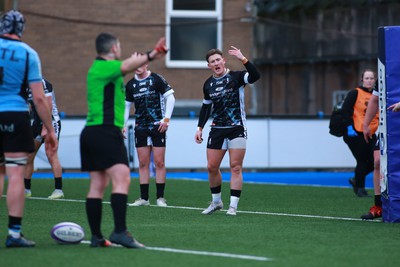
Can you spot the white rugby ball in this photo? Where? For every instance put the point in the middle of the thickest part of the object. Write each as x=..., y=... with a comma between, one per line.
x=67, y=233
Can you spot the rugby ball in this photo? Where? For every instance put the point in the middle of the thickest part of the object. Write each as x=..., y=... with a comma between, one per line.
x=67, y=233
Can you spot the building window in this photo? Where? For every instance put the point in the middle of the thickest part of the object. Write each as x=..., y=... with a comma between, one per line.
x=193, y=28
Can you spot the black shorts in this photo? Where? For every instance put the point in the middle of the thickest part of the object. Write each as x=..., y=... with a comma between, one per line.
x=15, y=132
x=226, y=138
x=37, y=130
x=102, y=147
x=147, y=137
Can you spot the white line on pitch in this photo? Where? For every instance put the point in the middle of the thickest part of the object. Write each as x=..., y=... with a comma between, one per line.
x=278, y=214
x=205, y=253
x=239, y=211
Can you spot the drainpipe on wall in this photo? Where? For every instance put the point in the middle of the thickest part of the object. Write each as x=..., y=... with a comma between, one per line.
x=252, y=8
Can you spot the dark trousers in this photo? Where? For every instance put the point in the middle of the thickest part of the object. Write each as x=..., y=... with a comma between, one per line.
x=363, y=152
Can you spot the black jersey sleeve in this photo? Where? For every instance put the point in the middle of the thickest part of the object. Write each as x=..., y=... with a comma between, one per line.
x=48, y=87
x=128, y=91
x=162, y=84
x=254, y=75
x=205, y=112
x=205, y=86
x=348, y=107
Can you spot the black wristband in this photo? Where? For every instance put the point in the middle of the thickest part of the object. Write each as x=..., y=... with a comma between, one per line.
x=149, y=58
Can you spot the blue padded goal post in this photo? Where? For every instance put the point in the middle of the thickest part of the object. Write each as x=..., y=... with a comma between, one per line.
x=389, y=122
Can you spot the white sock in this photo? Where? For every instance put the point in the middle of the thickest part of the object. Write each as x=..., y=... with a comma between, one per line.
x=216, y=198
x=234, y=202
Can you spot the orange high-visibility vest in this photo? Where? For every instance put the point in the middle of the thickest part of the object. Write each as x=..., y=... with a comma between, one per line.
x=360, y=108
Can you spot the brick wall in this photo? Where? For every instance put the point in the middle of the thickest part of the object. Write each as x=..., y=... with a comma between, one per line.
x=63, y=33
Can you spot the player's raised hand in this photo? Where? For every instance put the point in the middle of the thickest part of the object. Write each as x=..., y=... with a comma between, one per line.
x=236, y=52
x=161, y=48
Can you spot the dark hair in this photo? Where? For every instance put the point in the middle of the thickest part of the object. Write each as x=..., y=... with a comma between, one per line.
x=104, y=42
x=367, y=70
x=213, y=52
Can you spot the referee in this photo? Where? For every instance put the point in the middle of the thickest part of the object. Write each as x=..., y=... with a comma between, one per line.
x=103, y=152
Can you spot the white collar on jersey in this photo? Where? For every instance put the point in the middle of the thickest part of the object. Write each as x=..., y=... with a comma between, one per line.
x=225, y=72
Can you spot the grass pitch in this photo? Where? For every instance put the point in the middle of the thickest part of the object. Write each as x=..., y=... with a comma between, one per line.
x=276, y=225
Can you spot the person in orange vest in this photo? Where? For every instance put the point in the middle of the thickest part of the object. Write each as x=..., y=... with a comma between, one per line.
x=354, y=110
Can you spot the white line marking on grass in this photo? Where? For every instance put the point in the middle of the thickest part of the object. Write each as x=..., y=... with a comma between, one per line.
x=277, y=214
x=204, y=253
x=207, y=253
x=63, y=200
x=239, y=211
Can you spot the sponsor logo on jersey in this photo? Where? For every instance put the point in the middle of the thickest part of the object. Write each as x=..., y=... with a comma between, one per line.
x=221, y=92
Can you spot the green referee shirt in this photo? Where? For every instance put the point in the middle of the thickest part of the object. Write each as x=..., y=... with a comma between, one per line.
x=105, y=93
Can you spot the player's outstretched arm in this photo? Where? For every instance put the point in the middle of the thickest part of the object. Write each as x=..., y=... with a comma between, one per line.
x=395, y=107
x=136, y=60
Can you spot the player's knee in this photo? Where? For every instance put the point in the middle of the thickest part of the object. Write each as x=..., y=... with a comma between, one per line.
x=121, y=186
x=143, y=164
x=212, y=168
x=236, y=169
x=159, y=164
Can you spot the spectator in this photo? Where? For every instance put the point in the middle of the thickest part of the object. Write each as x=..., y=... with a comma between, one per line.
x=354, y=108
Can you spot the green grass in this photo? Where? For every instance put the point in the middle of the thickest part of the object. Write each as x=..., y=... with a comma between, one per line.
x=287, y=240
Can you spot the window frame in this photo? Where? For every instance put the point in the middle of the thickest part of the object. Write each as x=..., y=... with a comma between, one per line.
x=215, y=14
